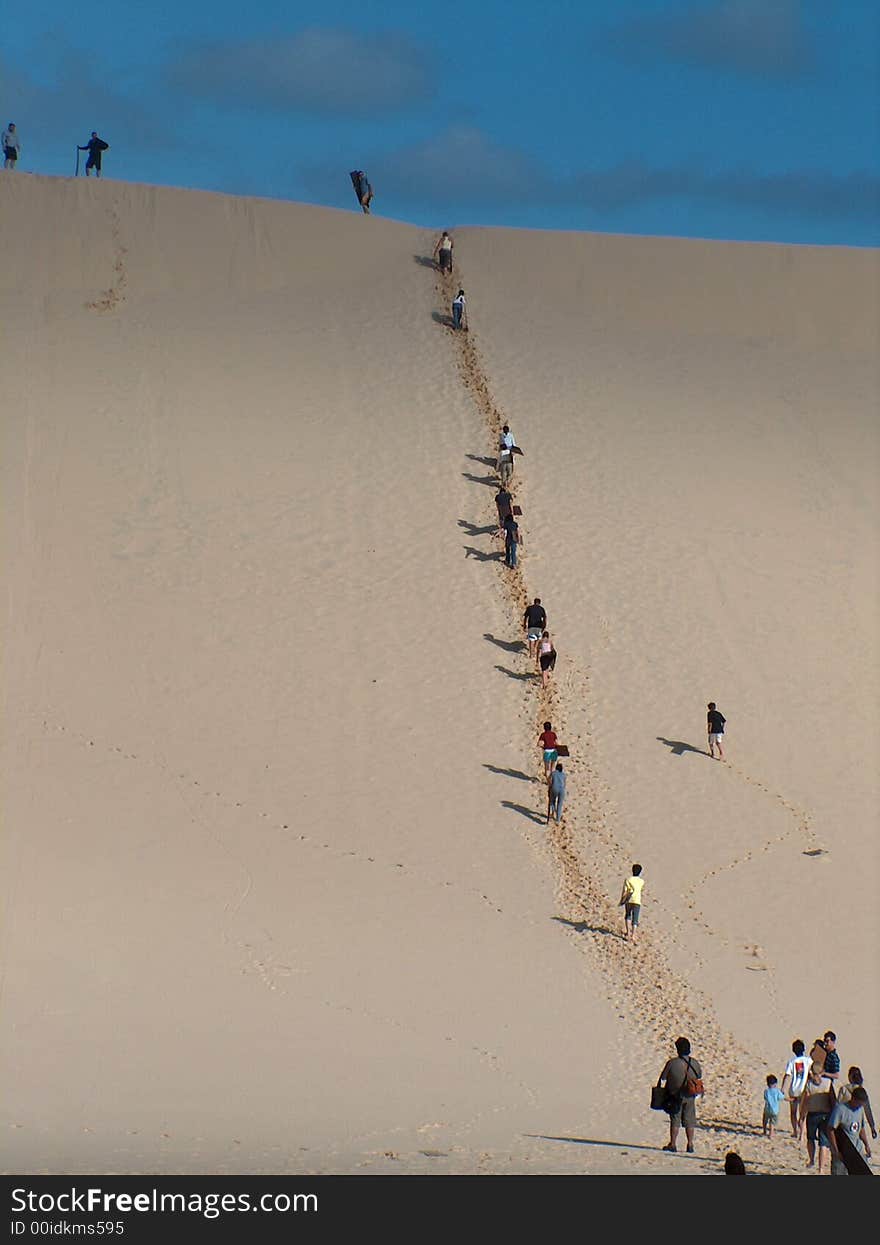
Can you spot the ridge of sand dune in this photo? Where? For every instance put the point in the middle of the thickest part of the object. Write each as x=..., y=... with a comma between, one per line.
x=276, y=899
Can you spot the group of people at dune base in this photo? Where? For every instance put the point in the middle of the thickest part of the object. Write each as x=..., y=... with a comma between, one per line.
x=833, y=1119
x=11, y=145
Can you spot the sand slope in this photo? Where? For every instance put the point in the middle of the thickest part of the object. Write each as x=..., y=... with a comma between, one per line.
x=276, y=896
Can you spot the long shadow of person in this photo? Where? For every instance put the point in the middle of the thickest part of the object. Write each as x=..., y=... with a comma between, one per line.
x=471, y=552
x=472, y=530
x=426, y=261
x=515, y=674
x=526, y=812
x=491, y=481
x=509, y=646
x=483, y=460
x=583, y=927
x=510, y=773
x=679, y=747
x=439, y=318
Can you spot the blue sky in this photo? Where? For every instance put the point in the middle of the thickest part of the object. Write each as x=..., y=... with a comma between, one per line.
x=749, y=119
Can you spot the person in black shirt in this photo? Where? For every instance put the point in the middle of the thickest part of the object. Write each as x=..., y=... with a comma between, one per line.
x=715, y=723
x=95, y=147
x=504, y=504
x=534, y=621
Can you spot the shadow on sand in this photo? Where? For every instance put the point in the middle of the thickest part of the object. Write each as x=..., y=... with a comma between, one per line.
x=584, y=927
x=539, y=818
x=510, y=773
x=621, y=1145
x=515, y=674
x=509, y=646
x=472, y=530
x=439, y=318
x=426, y=261
x=679, y=747
x=471, y=552
x=490, y=481
x=482, y=460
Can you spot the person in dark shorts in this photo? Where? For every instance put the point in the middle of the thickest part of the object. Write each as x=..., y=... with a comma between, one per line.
x=681, y=1106
x=96, y=148
x=443, y=252
x=817, y=1102
x=546, y=655
x=631, y=899
x=11, y=146
x=534, y=622
x=715, y=722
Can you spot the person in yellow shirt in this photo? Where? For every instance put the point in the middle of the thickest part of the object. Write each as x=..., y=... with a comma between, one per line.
x=631, y=901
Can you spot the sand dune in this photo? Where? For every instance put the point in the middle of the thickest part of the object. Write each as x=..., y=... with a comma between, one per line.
x=277, y=894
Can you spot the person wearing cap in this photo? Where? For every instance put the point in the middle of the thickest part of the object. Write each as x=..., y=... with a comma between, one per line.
x=11, y=146
x=95, y=147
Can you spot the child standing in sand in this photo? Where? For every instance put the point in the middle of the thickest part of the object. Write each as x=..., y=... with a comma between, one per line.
x=773, y=1096
x=715, y=722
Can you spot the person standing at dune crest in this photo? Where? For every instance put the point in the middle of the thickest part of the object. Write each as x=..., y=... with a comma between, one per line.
x=11, y=146
x=715, y=722
x=96, y=148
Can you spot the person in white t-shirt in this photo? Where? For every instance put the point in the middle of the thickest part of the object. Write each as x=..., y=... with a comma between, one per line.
x=795, y=1079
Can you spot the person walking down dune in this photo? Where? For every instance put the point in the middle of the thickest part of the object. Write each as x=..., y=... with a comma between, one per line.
x=546, y=654
x=512, y=540
x=715, y=722
x=556, y=793
x=459, y=311
x=534, y=622
x=548, y=741
x=682, y=1076
x=96, y=148
x=794, y=1080
x=11, y=146
x=443, y=252
x=631, y=901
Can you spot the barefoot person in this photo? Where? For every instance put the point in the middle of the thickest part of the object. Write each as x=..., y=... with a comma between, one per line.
x=631, y=900
x=682, y=1076
x=11, y=146
x=512, y=540
x=546, y=654
x=845, y=1093
x=96, y=148
x=505, y=465
x=534, y=622
x=506, y=442
x=715, y=722
x=548, y=741
x=794, y=1080
x=817, y=1102
x=773, y=1097
x=556, y=793
x=849, y=1117
x=443, y=252
x=459, y=311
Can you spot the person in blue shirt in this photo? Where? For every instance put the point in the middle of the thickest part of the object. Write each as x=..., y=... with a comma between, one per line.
x=773, y=1096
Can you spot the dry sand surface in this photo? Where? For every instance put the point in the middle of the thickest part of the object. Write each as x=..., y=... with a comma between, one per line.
x=278, y=892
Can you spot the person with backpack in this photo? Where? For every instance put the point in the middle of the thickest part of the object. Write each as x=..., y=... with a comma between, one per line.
x=794, y=1080
x=683, y=1078
x=715, y=722
x=11, y=146
x=96, y=148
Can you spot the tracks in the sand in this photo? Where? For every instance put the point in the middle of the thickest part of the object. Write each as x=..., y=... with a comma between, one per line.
x=640, y=980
